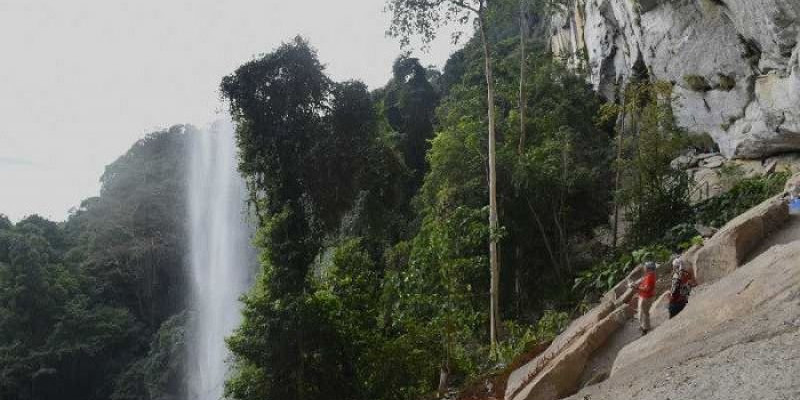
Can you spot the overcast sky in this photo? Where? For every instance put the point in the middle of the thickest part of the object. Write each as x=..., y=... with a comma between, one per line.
x=81, y=80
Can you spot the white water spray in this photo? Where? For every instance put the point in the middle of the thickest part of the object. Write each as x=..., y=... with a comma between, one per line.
x=221, y=257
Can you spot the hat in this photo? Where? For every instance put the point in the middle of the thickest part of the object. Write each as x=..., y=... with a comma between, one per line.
x=649, y=265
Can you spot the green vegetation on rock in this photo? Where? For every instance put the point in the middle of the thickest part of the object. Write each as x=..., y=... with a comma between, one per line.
x=697, y=83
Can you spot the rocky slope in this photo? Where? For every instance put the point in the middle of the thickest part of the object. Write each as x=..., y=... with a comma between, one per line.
x=735, y=63
x=737, y=338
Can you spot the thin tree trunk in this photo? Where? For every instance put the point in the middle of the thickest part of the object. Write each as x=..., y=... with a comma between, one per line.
x=494, y=306
x=562, y=242
x=618, y=173
x=444, y=369
x=523, y=30
x=561, y=215
x=556, y=263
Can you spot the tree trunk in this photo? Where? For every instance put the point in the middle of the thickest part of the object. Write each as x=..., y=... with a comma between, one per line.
x=523, y=30
x=548, y=247
x=618, y=173
x=494, y=306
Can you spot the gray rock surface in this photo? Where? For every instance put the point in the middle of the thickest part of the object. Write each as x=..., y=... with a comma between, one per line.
x=737, y=240
x=738, y=338
x=751, y=311
x=745, y=50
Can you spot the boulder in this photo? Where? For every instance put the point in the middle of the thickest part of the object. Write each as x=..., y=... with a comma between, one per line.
x=729, y=247
x=713, y=162
x=789, y=162
x=520, y=378
x=546, y=376
x=708, y=183
x=562, y=375
x=751, y=168
x=705, y=231
x=683, y=162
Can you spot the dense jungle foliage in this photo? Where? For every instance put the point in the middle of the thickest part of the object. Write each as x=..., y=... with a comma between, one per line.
x=86, y=304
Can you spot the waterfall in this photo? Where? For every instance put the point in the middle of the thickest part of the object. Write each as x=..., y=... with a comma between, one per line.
x=221, y=258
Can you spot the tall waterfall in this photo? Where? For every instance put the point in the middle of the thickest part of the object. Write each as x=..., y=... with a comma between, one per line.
x=221, y=257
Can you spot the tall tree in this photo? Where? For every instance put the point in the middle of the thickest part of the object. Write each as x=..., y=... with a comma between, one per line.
x=424, y=18
x=309, y=152
x=409, y=103
x=523, y=32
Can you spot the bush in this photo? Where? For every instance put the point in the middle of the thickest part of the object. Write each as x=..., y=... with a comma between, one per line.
x=604, y=276
x=681, y=237
x=702, y=142
x=726, y=82
x=697, y=83
x=744, y=195
x=522, y=338
x=655, y=196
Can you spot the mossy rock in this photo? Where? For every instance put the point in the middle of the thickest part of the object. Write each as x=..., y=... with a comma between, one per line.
x=697, y=83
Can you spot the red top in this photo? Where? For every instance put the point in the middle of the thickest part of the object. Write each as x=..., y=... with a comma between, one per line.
x=647, y=286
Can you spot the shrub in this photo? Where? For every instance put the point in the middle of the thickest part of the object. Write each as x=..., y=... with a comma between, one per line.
x=726, y=82
x=744, y=195
x=522, y=338
x=604, y=276
x=697, y=83
x=681, y=237
x=702, y=142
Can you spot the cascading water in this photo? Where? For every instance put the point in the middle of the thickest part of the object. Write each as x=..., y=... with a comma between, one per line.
x=221, y=257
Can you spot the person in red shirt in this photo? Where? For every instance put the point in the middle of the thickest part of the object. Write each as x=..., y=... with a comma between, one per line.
x=646, y=290
x=682, y=283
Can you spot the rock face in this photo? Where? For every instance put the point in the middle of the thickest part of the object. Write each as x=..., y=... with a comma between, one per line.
x=735, y=64
x=599, y=345
x=557, y=371
x=729, y=247
x=737, y=339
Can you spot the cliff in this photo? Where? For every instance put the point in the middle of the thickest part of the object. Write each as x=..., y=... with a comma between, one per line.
x=735, y=64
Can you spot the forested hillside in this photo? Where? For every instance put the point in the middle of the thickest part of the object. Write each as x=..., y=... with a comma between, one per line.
x=93, y=307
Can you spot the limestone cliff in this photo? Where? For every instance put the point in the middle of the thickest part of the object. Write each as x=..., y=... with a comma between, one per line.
x=735, y=63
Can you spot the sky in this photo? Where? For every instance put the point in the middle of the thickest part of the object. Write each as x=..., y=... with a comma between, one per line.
x=82, y=80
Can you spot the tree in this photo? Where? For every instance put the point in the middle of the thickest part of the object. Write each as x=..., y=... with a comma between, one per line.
x=412, y=17
x=655, y=196
x=523, y=33
x=409, y=104
x=315, y=169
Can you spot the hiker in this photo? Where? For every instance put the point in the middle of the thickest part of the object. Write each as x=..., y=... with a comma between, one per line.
x=646, y=288
x=682, y=283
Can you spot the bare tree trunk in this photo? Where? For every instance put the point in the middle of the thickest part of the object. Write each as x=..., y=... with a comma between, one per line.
x=561, y=215
x=523, y=31
x=618, y=173
x=494, y=306
x=556, y=263
x=444, y=373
